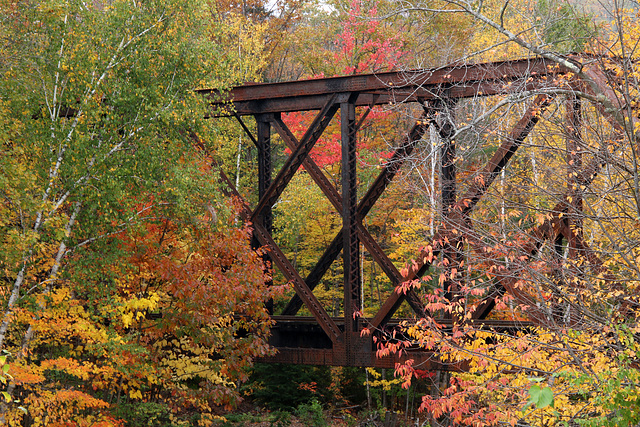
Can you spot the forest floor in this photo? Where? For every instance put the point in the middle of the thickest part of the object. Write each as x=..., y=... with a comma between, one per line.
x=250, y=415
x=253, y=416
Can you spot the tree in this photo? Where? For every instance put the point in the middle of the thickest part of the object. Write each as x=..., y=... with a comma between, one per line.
x=99, y=120
x=275, y=18
x=578, y=283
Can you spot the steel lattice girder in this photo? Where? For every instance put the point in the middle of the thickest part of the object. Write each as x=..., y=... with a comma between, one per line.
x=457, y=81
x=326, y=340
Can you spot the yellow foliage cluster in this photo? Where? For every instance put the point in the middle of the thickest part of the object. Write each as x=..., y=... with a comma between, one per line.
x=135, y=309
x=383, y=383
x=500, y=369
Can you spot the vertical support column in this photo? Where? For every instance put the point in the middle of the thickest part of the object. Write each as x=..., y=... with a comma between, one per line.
x=574, y=163
x=351, y=243
x=446, y=129
x=448, y=174
x=264, y=163
x=264, y=178
x=452, y=254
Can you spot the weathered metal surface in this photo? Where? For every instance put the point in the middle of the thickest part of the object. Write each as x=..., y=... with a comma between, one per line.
x=351, y=242
x=340, y=341
x=304, y=356
x=501, y=157
x=301, y=288
x=297, y=157
x=300, y=340
x=389, y=170
x=458, y=81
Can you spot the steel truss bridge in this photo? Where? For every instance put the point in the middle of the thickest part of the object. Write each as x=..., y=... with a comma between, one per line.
x=325, y=340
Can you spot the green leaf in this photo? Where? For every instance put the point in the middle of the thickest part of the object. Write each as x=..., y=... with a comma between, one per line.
x=545, y=399
x=541, y=397
x=5, y=369
x=534, y=393
x=22, y=408
x=7, y=396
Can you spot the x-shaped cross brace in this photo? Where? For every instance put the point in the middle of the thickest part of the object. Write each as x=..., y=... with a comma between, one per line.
x=300, y=156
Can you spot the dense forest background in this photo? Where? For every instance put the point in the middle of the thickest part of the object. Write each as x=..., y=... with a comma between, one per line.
x=130, y=294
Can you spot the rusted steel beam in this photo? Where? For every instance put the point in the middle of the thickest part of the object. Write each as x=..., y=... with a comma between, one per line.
x=488, y=303
x=306, y=356
x=467, y=203
x=508, y=148
x=299, y=339
x=392, y=167
x=451, y=248
x=414, y=271
x=290, y=273
x=310, y=300
x=492, y=169
x=350, y=240
x=391, y=271
x=316, y=274
x=310, y=322
x=508, y=278
x=462, y=80
x=334, y=248
x=294, y=161
x=574, y=165
x=309, y=164
x=551, y=228
x=264, y=165
x=264, y=180
x=367, y=240
x=423, y=261
x=600, y=88
x=448, y=176
x=390, y=97
x=247, y=131
x=389, y=171
x=331, y=253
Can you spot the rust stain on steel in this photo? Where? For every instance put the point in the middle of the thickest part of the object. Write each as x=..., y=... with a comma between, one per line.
x=326, y=340
x=462, y=80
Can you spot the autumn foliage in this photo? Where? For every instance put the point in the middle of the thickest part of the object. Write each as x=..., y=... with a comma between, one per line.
x=184, y=309
x=128, y=284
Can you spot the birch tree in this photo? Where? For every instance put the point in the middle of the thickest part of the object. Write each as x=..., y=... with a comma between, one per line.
x=97, y=119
